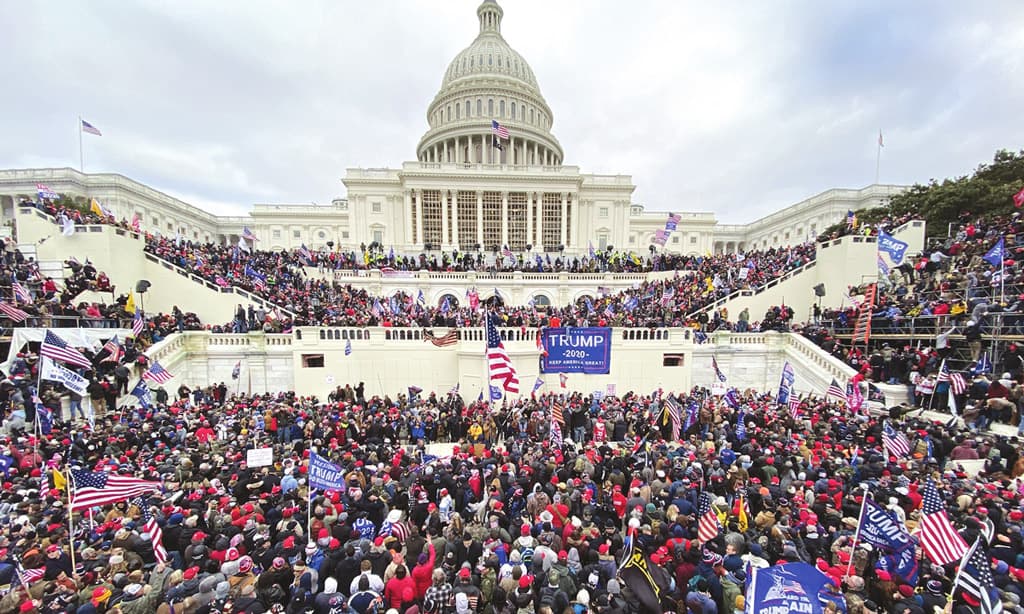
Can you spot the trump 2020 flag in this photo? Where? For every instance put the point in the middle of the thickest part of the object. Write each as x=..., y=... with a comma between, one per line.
x=325, y=475
x=892, y=246
x=996, y=254
x=782, y=589
x=786, y=383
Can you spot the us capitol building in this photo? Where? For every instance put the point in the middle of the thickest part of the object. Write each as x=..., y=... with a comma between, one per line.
x=468, y=188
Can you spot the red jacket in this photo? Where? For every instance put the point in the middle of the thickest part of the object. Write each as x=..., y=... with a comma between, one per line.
x=395, y=588
x=421, y=574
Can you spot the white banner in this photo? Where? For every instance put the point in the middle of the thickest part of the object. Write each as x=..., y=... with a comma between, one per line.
x=56, y=373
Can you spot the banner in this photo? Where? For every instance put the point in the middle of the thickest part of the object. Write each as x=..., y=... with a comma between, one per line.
x=259, y=457
x=892, y=246
x=576, y=350
x=57, y=373
x=785, y=589
x=880, y=529
x=325, y=475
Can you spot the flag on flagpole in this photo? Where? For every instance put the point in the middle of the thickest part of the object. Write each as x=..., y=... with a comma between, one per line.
x=975, y=580
x=557, y=412
x=895, y=443
x=537, y=384
x=157, y=374
x=90, y=129
x=12, y=312
x=46, y=193
x=675, y=414
x=563, y=379
x=21, y=293
x=835, y=391
x=248, y=235
x=941, y=541
x=151, y=528
x=348, y=348
x=499, y=365
x=237, y=371
x=708, y=525
x=500, y=131
x=56, y=348
x=718, y=372
x=114, y=350
x=138, y=324
x=93, y=488
x=881, y=143
x=996, y=254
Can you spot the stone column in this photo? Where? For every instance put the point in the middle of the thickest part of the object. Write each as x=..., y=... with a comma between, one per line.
x=419, y=216
x=455, y=218
x=480, y=217
x=504, y=218
x=529, y=219
x=444, y=157
x=407, y=212
x=536, y=153
x=565, y=225
x=539, y=197
x=444, y=219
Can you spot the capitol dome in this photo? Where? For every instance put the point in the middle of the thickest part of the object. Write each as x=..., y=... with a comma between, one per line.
x=487, y=82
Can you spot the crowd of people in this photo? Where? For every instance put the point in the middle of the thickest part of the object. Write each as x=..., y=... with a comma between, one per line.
x=511, y=517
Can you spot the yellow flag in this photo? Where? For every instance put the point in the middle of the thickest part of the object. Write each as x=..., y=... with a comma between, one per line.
x=95, y=207
x=59, y=481
x=741, y=518
x=129, y=305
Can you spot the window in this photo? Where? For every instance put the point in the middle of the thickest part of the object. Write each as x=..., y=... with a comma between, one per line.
x=693, y=240
x=449, y=113
x=499, y=61
x=378, y=236
x=675, y=240
x=672, y=360
x=375, y=207
x=531, y=116
x=312, y=361
x=323, y=235
x=602, y=241
x=522, y=113
x=501, y=108
x=490, y=60
x=602, y=212
x=513, y=109
x=490, y=106
x=296, y=234
x=276, y=234
x=170, y=225
x=479, y=107
x=467, y=109
x=458, y=111
x=344, y=234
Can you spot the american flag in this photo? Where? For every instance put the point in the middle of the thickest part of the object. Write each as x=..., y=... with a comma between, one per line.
x=248, y=235
x=557, y=414
x=157, y=374
x=138, y=324
x=305, y=254
x=957, y=383
x=449, y=338
x=835, y=391
x=12, y=312
x=500, y=131
x=675, y=414
x=90, y=129
x=258, y=279
x=46, y=193
x=93, y=488
x=895, y=443
x=556, y=432
x=940, y=540
x=28, y=576
x=113, y=348
x=21, y=293
x=56, y=348
x=976, y=579
x=943, y=372
x=499, y=365
x=666, y=296
x=718, y=372
x=506, y=252
x=150, y=526
x=237, y=371
x=794, y=404
x=708, y=526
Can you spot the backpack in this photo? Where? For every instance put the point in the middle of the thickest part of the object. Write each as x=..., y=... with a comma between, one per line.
x=527, y=557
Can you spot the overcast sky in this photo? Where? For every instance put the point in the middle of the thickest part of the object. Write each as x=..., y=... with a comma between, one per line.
x=739, y=108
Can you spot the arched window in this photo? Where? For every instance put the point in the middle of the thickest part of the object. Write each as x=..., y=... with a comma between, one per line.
x=490, y=107
x=479, y=107
x=458, y=111
x=513, y=109
x=449, y=112
x=531, y=115
x=453, y=302
x=541, y=301
x=467, y=109
x=501, y=108
x=499, y=61
x=490, y=60
x=522, y=113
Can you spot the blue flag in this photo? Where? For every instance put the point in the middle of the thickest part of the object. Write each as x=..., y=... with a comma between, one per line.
x=142, y=393
x=786, y=383
x=6, y=462
x=348, y=347
x=984, y=365
x=793, y=587
x=731, y=399
x=892, y=246
x=45, y=419
x=325, y=475
x=996, y=255
x=741, y=426
x=496, y=393
x=880, y=529
x=691, y=415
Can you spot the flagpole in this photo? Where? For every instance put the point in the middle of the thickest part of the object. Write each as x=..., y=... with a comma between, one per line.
x=81, y=155
x=856, y=534
x=69, y=483
x=878, y=157
x=960, y=568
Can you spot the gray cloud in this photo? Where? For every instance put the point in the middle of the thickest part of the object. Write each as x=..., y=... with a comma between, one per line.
x=736, y=108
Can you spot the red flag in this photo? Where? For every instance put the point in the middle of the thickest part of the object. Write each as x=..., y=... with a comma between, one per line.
x=1018, y=199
